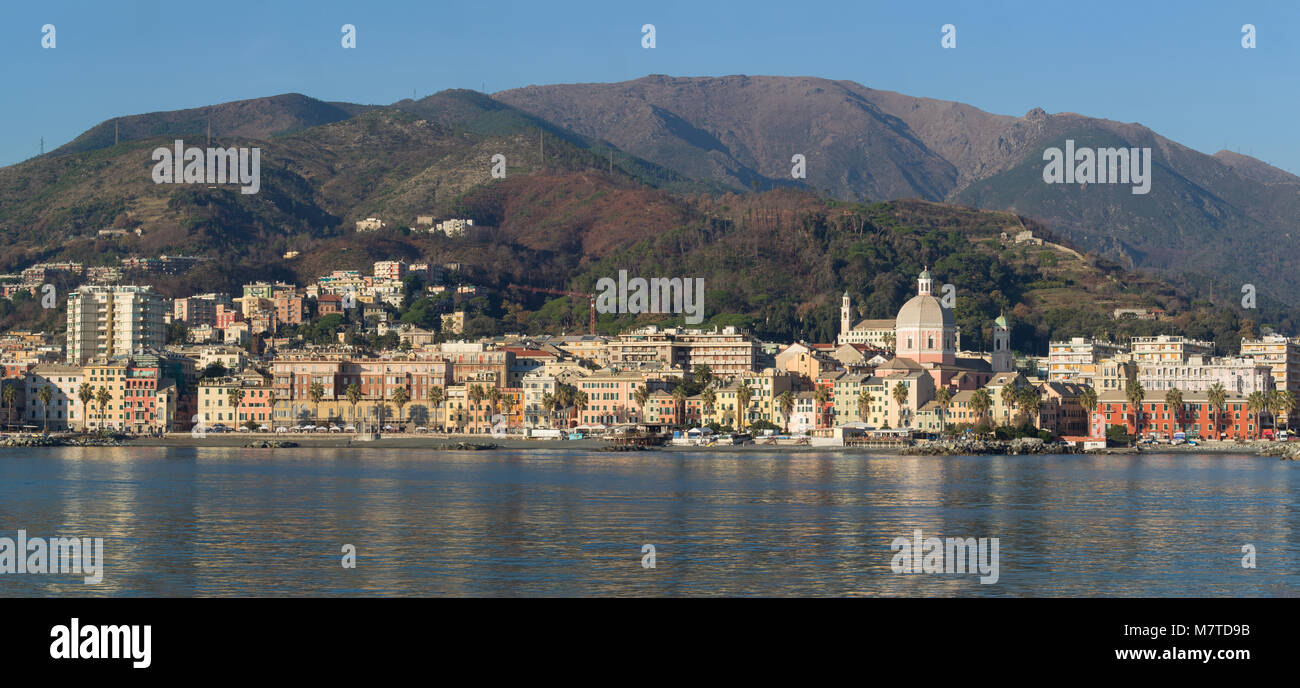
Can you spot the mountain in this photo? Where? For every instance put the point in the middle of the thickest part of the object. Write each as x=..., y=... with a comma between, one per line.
x=258, y=118
x=580, y=202
x=1208, y=221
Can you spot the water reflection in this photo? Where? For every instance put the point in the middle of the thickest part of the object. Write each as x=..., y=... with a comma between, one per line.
x=217, y=522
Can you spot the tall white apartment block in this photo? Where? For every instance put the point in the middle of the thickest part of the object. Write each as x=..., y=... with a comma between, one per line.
x=111, y=321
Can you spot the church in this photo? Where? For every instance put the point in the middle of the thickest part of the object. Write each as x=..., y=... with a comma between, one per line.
x=926, y=337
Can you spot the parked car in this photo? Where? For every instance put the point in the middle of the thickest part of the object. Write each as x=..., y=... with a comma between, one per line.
x=421, y=428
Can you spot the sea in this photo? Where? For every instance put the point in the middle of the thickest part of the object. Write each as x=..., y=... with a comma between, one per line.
x=205, y=521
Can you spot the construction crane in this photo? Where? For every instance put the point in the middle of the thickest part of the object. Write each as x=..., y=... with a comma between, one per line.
x=591, y=299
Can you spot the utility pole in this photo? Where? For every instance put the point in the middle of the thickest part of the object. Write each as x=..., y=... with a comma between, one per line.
x=42, y=145
x=115, y=132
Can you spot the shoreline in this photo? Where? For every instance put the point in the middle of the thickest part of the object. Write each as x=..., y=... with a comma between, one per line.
x=437, y=442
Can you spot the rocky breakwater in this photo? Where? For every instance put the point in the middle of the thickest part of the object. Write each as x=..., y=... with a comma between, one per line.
x=270, y=444
x=971, y=447
x=51, y=441
x=1286, y=451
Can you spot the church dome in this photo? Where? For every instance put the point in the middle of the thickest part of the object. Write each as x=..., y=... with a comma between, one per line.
x=924, y=311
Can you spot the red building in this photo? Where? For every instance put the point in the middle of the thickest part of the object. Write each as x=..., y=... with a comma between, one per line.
x=1196, y=417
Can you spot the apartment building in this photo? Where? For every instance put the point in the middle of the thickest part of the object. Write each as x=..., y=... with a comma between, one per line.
x=113, y=321
x=1078, y=359
x=1168, y=348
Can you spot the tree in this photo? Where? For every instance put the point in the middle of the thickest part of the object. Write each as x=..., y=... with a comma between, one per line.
x=702, y=375
x=494, y=397
x=823, y=397
x=709, y=400
x=86, y=394
x=580, y=402
x=1135, y=395
x=436, y=396
x=1088, y=399
x=1008, y=394
x=45, y=394
x=980, y=402
x=1217, y=397
x=1174, y=402
x=944, y=398
x=1283, y=403
x=864, y=405
x=235, y=396
x=353, y=395
x=549, y=403
x=641, y=396
x=1030, y=401
x=1257, y=403
x=679, y=402
x=270, y=403
x=475, y=396
x=400, y=399
x=10, y=394
x=785, y=402
x=900, y=398
x=744, y=394
x=103, y=397
x=317, y=392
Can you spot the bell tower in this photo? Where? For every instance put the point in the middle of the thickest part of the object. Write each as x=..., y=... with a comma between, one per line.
x=846, y=319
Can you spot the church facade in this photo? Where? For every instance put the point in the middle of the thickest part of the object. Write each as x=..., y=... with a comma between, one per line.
x=925, y=336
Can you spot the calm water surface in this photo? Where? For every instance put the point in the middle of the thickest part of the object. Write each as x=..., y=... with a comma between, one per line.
x=210, y=521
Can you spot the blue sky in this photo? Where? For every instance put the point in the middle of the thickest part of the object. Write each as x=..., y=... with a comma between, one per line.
x=1178, y=68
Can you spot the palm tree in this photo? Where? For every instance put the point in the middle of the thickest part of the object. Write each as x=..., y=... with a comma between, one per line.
x=944, y=397
x=709, y=400
x=549, y=404
x=1088, y=399
x=900, y=398
x=679, y=403
x=1029, y=400
x=743, y=396
x=235, y=396
x=580, y=402
x=1135, y=395
x=1008, y=395
x=9, y=395
x=1217, y=397
x=353, y=395
x=703, y=375
x=85, y=393
x=823, y=396
x=1283, y=403
x=785, y=402
x=1256, y=403
x=1174, y=402
x=475, y=396
x=864, y=405
x=103, y=397
x=45, y=394
x=316, y=392
x=436, y=396
x=270, y=403
x=641, y=395
x=980, y=402
x=400, y=399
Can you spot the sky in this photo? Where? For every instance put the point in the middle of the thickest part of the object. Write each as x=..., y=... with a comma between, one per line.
x=1176, y=67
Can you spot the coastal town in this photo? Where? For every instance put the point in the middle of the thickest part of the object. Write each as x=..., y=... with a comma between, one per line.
x=341, y=356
